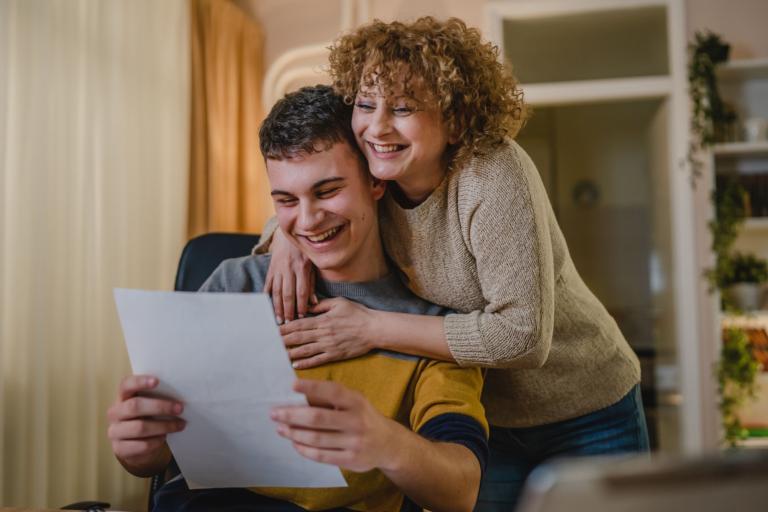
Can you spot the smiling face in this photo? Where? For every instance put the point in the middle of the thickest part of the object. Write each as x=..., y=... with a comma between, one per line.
x=326, y=206
x=404, y=140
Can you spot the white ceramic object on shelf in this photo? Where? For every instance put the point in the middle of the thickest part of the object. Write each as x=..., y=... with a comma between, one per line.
x=756, y=129
x=745, y=296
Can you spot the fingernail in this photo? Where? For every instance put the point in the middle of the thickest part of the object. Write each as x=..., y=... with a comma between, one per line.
x=295, y=365
x=178, y=408
x=279, y=320
x=151, y=381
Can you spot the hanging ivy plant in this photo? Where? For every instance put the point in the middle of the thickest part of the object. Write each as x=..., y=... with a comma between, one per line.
x=730, y=213
x=710, y=121
x=710, y=115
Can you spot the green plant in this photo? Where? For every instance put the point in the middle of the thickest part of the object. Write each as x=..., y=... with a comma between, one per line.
x=736, y=374
x=747, y=268
x=730, y=213
x=737, y=368
x=709, y=113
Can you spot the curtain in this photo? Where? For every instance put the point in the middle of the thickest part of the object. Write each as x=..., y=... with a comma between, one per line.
x=228, y=190
x=94, y=153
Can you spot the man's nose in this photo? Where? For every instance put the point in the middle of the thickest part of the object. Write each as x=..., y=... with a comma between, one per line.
x=310, y=216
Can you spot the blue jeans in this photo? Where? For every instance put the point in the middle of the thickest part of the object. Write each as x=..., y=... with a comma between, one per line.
x=515, y=452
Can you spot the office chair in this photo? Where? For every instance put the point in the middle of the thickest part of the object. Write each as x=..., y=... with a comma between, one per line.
x=203, y=254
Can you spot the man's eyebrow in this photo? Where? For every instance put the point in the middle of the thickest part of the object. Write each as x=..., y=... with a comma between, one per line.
x=316, y=185
x=326, y=181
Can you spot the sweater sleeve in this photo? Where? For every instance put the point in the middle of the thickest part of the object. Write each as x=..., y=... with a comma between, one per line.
x=506, y=226
x=266, y=236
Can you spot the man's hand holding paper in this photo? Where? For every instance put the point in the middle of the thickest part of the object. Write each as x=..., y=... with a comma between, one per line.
x=222, y=357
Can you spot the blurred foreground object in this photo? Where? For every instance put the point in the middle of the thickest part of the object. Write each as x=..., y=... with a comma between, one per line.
x=736, y=479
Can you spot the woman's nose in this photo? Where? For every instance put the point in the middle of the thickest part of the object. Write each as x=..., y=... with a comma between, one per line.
x=381, y=122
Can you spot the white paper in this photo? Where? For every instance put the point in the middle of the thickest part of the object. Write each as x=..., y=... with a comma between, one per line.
x=221, y=355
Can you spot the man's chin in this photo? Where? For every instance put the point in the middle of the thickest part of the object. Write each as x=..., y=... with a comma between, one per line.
x=332, y=269
x=324, y=262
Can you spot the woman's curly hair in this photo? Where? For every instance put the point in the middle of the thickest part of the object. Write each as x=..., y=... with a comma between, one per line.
x=477, y=95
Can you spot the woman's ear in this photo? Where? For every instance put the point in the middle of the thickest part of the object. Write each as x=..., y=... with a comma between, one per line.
x=453, y=134
x=378, y=187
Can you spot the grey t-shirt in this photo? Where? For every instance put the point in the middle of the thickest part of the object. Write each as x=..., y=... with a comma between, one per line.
x=247, y=274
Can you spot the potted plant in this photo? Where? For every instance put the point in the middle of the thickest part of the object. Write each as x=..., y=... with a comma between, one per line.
x=736, y=374
x=743, y=276
x=711, y=119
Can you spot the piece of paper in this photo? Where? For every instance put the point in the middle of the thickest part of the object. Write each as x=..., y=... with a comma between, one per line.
x=221, y=354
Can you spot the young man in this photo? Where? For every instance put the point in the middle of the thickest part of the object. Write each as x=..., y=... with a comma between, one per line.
x=407, y=432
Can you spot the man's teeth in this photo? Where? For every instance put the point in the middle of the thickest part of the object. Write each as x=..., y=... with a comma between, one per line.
x=388, y=148
x=324, y=236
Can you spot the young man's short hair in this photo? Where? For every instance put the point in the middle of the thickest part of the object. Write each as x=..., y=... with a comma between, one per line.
x=307, y=121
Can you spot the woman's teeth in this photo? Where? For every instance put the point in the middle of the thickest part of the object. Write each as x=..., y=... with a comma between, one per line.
x=324, y=236
x=388, y=148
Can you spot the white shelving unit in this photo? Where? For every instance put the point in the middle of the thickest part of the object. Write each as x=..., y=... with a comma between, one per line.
x=754, y=413
x=591, y=91
x=744, y=69
x=607, y=80
x=756, y=224
x=741, y=148
x=744, y=84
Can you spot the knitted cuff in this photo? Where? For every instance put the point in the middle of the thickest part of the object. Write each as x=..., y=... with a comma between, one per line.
x=462, y=333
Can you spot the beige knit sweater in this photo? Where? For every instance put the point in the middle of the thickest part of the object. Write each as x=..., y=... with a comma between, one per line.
x=486, y=244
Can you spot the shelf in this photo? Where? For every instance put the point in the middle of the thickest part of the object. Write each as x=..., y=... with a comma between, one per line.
x=746, y=69
x=757, y=319
x=756, y=224
x=593, y=91
x=740, y=148
x=759, y=443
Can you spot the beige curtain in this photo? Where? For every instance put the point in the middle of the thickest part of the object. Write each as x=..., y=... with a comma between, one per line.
x=94, y=152
x=229, y=190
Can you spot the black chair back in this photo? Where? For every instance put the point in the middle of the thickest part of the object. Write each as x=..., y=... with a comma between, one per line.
x=203, y=254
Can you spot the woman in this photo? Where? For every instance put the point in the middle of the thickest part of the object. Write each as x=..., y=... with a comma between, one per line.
x=467, y=220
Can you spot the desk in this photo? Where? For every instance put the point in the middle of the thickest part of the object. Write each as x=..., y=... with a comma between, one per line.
x=11, y=509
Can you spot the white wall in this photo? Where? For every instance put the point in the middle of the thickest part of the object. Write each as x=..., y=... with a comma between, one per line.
x=741, y=22
x=291, y=23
